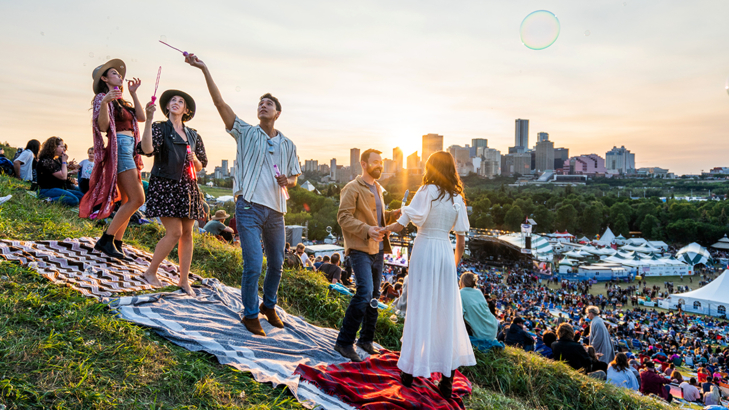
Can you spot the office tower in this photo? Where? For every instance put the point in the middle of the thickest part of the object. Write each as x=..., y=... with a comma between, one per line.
x=517, y=163
x=323, y=168
x=311, y=165
x=560, y=156
x=224, y=166
x=431, y=143
x=414, y=163
x=460, y=154
x=479, y=143
x=333, y=169
x=621, y=160
x=355, y=168
x=490, y=162
x=521, y=135
x=542, y=136
x=398, y=158
x=544, y=160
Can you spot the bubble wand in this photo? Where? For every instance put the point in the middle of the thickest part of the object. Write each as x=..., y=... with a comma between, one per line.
x=184, y=53
x=285, y=190
x=156, y=84
x=191, y=168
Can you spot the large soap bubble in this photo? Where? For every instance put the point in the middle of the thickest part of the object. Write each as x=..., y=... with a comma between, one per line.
x=539, y=29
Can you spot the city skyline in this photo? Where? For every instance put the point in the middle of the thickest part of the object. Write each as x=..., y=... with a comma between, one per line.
x=381, y=75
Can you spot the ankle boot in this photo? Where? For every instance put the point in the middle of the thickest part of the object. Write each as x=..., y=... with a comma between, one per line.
x=407, y=379
x=118, y=245
x=105, y=244
x=446, y=386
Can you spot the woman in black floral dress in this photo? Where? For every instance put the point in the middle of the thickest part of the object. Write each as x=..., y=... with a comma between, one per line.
x=173, y=194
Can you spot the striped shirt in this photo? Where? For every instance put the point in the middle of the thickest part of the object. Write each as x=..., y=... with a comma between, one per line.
x=251, y=150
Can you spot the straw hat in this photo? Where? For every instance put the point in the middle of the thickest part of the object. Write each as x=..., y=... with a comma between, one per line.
x=100, y=70
x=220, y=215
x=166, y=96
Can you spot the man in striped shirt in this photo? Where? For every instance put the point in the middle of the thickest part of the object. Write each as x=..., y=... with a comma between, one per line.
x=261, y=200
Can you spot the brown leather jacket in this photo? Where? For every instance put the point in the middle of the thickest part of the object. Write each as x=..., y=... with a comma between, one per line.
x=357, y=210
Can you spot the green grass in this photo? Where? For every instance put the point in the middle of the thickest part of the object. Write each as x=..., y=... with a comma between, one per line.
x=216, y=191
x=60, y=350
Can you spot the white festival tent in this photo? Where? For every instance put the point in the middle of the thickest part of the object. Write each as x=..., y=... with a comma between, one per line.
x=723, y=244
x=646, y=265
x=607, y=238
x=541, y=249
x=712, y=299
x=694, y=254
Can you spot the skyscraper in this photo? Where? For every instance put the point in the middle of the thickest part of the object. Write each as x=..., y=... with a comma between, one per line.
x=544, y=155
x=479, y=142
x=413, y=163
x=226, y=170
x=333, y=169
x=542, y=136
x=311, y=165
x=521, y=135
x=397, y=157
x=560, y=156
x=355, y=168
x=621, y=160
x=431, y=143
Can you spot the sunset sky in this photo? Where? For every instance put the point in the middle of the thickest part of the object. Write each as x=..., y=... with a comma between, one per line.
x=650, y=75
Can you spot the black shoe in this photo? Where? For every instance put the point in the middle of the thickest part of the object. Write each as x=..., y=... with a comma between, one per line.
x=446, y=387
x=369, y=348
x=118, y=245
x=348, y=351
x=105, y=244
x=407, y=379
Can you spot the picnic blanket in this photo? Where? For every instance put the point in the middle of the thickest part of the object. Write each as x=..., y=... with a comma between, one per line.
x=375, y=385
x=211, y=322
x=75, y=263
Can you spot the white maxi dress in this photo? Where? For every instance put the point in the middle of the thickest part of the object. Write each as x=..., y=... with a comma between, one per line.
x=435, y=339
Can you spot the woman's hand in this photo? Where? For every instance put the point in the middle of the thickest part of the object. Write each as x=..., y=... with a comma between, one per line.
x=133, y=85
x=192, y=157
x=150, y=109
x=111, y=96
x=64, y=158
x=194, y=61
x=394, y=227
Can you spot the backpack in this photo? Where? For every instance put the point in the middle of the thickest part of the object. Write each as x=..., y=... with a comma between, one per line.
x=6, y=167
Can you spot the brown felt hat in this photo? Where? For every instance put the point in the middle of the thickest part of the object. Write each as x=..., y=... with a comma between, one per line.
x=100, y=70
x=166, y=96
x=220, y=215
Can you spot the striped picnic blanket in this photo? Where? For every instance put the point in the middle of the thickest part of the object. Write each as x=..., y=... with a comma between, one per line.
x=75, y=263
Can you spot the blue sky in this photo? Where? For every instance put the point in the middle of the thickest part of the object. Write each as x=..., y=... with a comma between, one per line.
x=650, y=75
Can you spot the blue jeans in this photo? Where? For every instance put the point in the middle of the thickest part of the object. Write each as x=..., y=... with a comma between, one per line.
x=70, y=197
x=256, y=222
x=368, y=273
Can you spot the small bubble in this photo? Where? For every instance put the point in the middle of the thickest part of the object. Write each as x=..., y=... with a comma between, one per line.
x=587, y=32
x=162, y=38
x=42, y=34
x=108, y=57
x=237, y=88
x=91, y=55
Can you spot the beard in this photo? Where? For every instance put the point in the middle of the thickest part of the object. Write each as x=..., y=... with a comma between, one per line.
x=375, y=172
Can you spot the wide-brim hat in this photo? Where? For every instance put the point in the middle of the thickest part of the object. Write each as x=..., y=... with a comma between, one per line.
x=166, y=96
x=220, y=214
x=100, y=70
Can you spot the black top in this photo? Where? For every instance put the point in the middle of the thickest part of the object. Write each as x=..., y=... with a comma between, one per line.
x=518, y=337
x=331, y=271
x=573, y=353
x=46, y=168
x=170, y=156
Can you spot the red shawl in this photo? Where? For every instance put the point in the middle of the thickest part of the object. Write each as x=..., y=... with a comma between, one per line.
x=102, y=185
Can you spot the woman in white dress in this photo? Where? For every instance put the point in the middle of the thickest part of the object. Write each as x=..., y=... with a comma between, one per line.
x=435, y=339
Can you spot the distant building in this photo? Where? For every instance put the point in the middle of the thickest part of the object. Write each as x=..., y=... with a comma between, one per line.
x=521, y=135
x=343, y=174
x=653, y=172
x=355, y=168
x=414, y=163
x=477, y=143
x=323, y=168
x=719, y=171
x=397, y=157
x=311, y=165
x=225, y=169
x=516, y=163
x=462, y=156
x=544, y=160
x=620, y=160
x=431, y=143
x=560, y=156
x=542, y=136
x=490, y=162
x=590, y=165
x=333, y=169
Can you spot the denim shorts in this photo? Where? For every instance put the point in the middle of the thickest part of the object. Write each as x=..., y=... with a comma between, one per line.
x=125, y=153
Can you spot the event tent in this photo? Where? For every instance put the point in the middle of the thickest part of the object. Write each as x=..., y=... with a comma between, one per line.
x=694, y=254
x=722, y=244
x=712, y=299
x=607, y=238
x=541, y=249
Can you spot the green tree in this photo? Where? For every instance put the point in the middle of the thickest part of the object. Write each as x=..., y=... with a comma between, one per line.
x=621, y=208
x=591, y=220
x=544, y=219
x=566, y=218
x=620, y=226
x=394, y=204
x=513, y=219
x=650, y=228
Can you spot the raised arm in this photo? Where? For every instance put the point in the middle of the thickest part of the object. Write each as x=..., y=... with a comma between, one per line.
x=226, y=113
x=133, y=85
x=103, y=120
x=147, y=146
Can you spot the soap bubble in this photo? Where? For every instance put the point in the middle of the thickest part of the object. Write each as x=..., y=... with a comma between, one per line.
x=91, y=54
x=42, y=34
x=237, y=88
x=374, y=303
x=162, y=38
x=108, y=57
x=539, y=29
x=587, y=32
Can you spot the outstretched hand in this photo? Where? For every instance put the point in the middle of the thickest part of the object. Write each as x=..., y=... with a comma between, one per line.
x=376, y=233
x=150, y=109
x=194, y=61
x=133, y=85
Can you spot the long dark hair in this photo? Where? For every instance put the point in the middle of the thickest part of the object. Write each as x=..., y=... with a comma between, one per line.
x=33, y=146
x=120, y=103
x=440, y=170
x=49, y=148
x=620, y=363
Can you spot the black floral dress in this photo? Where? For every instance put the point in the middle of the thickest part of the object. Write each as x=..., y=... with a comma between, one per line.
x=170, y=198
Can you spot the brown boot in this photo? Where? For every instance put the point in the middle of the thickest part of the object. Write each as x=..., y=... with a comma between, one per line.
x=254, y=326
x=271, y=316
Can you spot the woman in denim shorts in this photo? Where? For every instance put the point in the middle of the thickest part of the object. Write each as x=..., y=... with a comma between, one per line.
x=116, y=175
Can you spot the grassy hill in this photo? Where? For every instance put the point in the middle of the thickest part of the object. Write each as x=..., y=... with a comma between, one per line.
x=60, y=350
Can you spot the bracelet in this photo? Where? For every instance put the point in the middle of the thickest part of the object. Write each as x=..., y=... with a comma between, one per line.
x=64, y=163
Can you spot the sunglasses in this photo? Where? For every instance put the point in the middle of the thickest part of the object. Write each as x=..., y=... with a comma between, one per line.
x=270, y=146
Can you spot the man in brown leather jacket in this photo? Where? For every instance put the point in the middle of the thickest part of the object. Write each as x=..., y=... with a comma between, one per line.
x=362, y=217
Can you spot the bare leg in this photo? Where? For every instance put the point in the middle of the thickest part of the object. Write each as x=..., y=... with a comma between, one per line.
x=184, y=250
x=173, y=231
x=131, y=189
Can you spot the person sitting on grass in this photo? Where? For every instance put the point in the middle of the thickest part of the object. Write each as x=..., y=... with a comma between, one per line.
x=516, y=336
x=305, y=261
x=53, y=169
x=216, y=227
x=331, y=269
x=619, y=373
x=23, y=164
x=713, y=397
x=319, y=260
x=690, y=391
x=653, y=383
x=476, y=313
x=544, y=345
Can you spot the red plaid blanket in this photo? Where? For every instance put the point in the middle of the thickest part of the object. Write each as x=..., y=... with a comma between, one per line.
x=375, y=385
